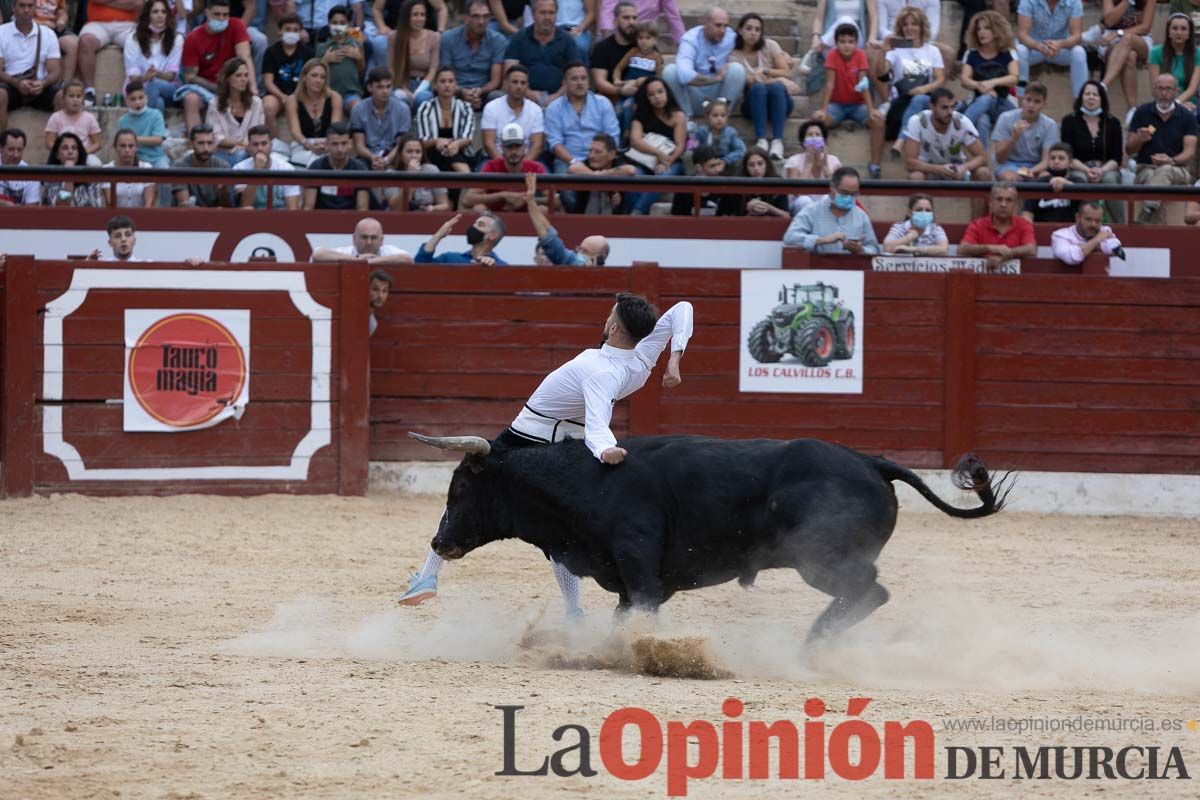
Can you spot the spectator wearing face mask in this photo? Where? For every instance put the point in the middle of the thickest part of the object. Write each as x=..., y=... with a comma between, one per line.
x=917, y=234
x=813, y=162
x=592, y=251
x=835, y=224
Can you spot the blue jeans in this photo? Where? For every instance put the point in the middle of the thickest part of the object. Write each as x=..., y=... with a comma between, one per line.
x=559, y=167
x=765, y=100
x=640, y=202
x=379, y=50
x=583, y=41
x=916, y=105
x=160, y=93
x=983, y=112
x=1076, y=58
x=839, y=113
x=690, y=97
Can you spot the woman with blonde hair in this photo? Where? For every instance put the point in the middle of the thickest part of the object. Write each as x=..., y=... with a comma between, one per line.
x=413, y=52
x=310, y=110
x=913, y=72
x=234, y=112
x=989, y=70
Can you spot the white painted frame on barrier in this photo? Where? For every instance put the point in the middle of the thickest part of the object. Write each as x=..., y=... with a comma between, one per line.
x=84, y=280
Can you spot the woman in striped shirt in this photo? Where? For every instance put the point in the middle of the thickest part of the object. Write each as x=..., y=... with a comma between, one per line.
x=446, y=125
x=917, y=235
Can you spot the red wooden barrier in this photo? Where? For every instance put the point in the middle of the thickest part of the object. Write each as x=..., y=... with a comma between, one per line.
x=1034, y=372
x=304, y=429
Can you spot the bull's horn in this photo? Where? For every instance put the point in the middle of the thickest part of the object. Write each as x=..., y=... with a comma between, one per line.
x=467, y=444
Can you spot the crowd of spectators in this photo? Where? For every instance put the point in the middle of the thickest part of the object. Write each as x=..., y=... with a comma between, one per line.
x=579, y=87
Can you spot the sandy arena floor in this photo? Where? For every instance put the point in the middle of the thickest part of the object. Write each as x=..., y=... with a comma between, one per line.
x=199, y=647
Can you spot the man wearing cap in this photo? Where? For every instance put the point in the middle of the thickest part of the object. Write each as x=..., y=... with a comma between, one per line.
x=512, y=162
x=514, y=107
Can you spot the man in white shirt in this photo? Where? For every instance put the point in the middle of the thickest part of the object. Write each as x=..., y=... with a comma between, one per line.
x=941, y=144
x=1072, y=245
x=261, y=157
x=513, y=107
x=367, y=246
x=22, y=81
x=585, y=388
x=16, y=192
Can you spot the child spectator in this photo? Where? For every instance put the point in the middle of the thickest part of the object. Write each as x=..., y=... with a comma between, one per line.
x=1023, y=137
x=343, y=55
x=643, y=61
x=410, y=157
x=234, y=112
x=709, y=164
x=715, y=131
x=74, y=119
x=311, y=109
x=153, y=54
x=1053, y=209
x=68, y=151
x=283, y=64
x=146, y=123
x=847, y=85
x=130, y=195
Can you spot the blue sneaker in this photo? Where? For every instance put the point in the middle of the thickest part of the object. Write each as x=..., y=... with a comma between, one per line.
x=419, y=590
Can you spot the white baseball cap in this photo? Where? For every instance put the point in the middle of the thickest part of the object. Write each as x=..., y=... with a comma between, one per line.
x=512, y=133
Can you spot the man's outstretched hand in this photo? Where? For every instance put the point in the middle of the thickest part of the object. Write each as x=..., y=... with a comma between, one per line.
x=613, y=455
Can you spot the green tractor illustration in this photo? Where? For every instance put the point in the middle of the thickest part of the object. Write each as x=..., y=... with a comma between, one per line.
x=810, y=323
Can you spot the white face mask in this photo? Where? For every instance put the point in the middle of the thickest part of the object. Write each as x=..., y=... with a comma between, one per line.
x=338, y=30
x=1164, y=109
x=290, y=38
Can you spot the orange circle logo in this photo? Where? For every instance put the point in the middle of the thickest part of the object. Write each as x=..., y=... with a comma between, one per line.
x=185, y=369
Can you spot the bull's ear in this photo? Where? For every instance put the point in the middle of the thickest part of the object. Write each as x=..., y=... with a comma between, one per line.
x=466, y=444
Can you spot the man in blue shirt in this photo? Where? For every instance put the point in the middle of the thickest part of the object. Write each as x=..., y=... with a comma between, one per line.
x=1051, y=31
x=545, y=50
x=592, y=251
x=483, y=236
x=573, y=120
x=834, y=224
x=475, y=53
x=702, y=68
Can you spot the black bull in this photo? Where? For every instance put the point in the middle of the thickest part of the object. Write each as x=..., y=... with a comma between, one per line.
x=684, y=512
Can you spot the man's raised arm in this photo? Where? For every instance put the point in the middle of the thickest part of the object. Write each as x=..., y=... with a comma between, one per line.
x=674, y=326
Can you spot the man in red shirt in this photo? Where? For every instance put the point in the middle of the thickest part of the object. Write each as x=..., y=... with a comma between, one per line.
x=513, y=162
x=1004, y=234
x=205, y=51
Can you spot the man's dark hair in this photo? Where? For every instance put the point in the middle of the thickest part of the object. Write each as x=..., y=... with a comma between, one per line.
x=610, y=144
x=380, y=275
x=636, y=314
x=1062, y=147
x=203, y=127
x=339, y=9
x=842, y=172
x=940, y=93
x=517, y=68
x=12, y=133
x=224, y=3
x=290, y=19
x=379, y=75
x=134, y=86
x=1038, y=89
x=340, y=128
x=573, y=65
x=118, y=222
x=703, y=154
x=845, y=29
x=497, y=225
x=257, y=130
x=1093, y=204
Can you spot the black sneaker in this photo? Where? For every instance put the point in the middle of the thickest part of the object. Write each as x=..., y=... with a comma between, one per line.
x=89, y=97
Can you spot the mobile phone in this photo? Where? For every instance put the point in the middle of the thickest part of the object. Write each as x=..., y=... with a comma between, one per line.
x=901, y=41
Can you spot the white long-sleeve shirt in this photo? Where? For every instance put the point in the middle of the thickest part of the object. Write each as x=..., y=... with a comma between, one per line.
x=1067, y=244
x=587, y=386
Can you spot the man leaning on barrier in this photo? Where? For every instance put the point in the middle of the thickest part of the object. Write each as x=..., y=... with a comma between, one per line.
x=592, y=251
x=367, y=245
x=1004, y=234
x=1088, y=235
x=835, y=224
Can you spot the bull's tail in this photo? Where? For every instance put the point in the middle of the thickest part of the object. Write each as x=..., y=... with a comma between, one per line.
x=969, y=474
